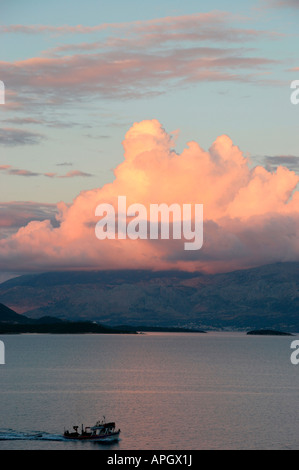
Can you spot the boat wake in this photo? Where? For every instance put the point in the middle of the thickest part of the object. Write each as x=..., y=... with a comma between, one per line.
x=11, y=435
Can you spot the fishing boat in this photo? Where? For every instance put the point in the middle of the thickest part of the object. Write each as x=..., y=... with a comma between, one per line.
x=101, y=431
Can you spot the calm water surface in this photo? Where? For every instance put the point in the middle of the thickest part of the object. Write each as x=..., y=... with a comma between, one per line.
x=165, y=391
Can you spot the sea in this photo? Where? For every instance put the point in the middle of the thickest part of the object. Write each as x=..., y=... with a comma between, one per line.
x=165, y=391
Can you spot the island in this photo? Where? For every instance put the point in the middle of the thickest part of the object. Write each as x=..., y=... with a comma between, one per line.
x=268, y=333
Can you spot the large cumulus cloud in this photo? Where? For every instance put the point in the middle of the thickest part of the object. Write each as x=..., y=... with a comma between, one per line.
x=251, y=215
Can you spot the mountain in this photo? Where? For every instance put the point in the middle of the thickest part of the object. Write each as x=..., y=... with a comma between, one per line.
x=7, y=315
x=12, y=322
x=262, y=297
x=10, y=316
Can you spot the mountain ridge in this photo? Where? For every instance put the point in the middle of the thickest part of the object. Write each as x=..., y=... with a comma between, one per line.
x=261, y=297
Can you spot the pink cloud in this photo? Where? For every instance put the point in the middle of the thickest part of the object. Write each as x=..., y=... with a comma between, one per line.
x=130, y=73
x=251, y=216
x=9, y=170
x=117, y=66
x=70, y=174
x=171, y=23
x=75, y=173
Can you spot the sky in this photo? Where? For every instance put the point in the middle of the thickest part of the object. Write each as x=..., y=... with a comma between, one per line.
x=174, y=102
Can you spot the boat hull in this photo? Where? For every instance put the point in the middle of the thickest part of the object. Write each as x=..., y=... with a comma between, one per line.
x=106, y=438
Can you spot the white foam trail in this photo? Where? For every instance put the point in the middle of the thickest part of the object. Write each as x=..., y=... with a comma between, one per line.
x=11, y=435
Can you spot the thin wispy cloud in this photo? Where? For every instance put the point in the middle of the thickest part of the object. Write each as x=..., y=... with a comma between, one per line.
x=139, y=58
x=70, y=174
x=171, y=23
x=20, y=172
x=20, y=121
x=288, y=161
x=133, y=74
x=282, y=3
x=9, y=170
x=17, y=214
x=11, y=137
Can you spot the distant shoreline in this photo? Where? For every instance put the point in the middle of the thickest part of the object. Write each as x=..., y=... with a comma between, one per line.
x=84, y=328
x=61, y=328
x=87, y=327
